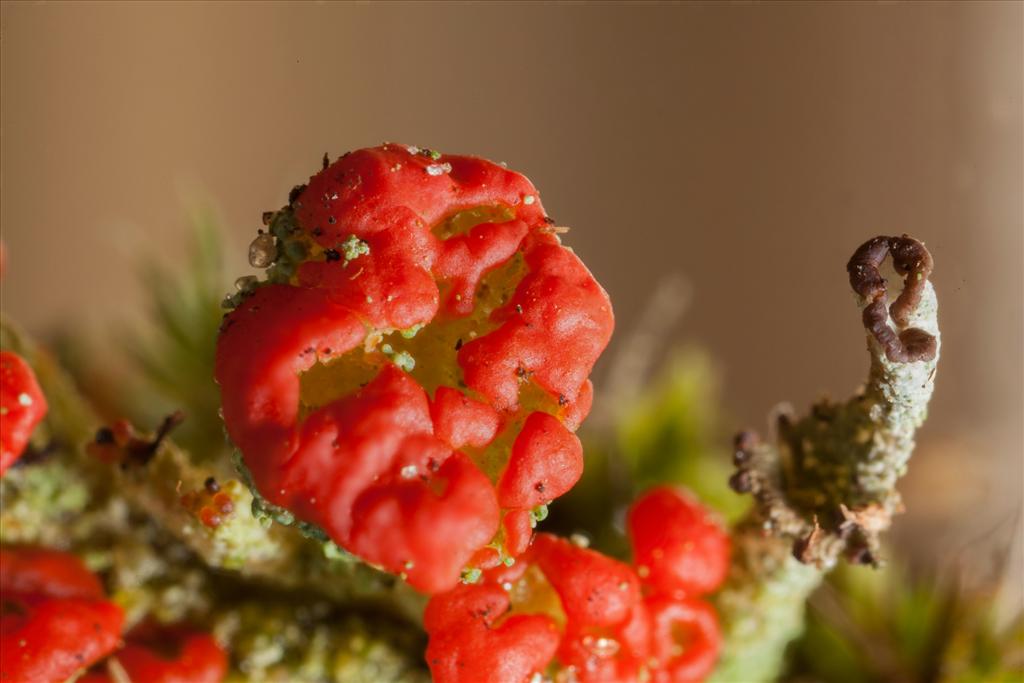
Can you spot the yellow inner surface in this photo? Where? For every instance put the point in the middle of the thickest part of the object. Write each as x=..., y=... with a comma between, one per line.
x=533, y=594
x=492, y=458
x=432, y=348
x=431, y=351
x=464, y=221
x=429, y=355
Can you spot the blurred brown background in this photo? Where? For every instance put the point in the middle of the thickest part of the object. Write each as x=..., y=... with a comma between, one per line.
x=750, y=147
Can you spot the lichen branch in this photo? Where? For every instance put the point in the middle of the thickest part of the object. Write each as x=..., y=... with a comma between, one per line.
x=825, y=486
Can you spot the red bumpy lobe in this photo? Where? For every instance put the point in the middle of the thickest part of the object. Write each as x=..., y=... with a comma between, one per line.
x=471, y=633
x=595, y=589
x=607, y=630
x=473, y=639
x=554, y=328
x=611, y=654
x=546, y=461
x=380, y=469
x=616, y=625
x=22, y=407
x=375, y=476
x=693, y=622
x=682, y=549
x=55, y=620
x=196, y=658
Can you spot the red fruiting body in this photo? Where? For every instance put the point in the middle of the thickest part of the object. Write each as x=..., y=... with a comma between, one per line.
x=693, y=622
x=55, y=620
x=22, y=406
x=196, y=658
x=416, y=398
x=609, y=624
x=678, y=548
x=595, y=589
x=574, y=610
x=474, y=638
x=28, y=570
x=546, y=461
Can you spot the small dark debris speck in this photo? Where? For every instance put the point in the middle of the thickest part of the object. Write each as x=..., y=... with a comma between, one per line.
x=294, y=194
x=740, y=482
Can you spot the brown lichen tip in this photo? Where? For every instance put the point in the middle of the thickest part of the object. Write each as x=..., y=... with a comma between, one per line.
x=912, y=261
x=121, y=444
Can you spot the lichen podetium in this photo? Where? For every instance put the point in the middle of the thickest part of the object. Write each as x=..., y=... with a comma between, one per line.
x=825, y=488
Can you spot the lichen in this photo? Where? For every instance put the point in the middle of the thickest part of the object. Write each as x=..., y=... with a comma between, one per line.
x=286, y=609
x=825, y=487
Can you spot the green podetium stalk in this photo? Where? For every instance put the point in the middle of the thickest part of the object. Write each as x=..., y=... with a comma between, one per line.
x=826, y=487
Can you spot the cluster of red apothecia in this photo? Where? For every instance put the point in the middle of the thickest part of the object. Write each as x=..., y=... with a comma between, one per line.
x=567, y=613
x=55, y=620
x=409, y=379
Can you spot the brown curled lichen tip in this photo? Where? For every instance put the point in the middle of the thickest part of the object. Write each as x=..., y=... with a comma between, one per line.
x=912, y=261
